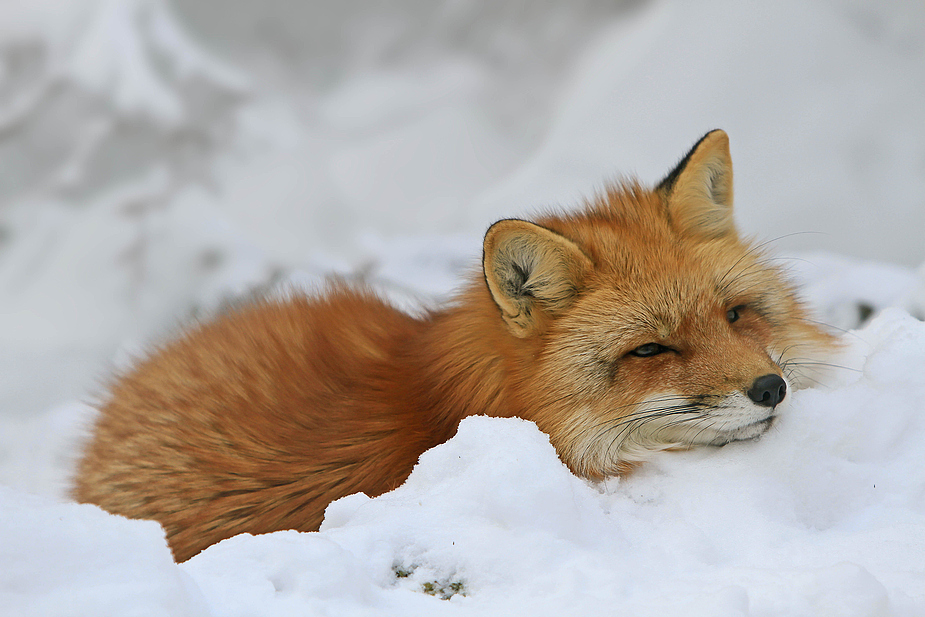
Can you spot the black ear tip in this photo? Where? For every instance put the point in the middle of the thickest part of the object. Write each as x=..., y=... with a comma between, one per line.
x=667, y=184
x=669, y=181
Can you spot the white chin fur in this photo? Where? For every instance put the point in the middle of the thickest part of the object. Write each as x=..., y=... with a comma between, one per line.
x=738, y=418
x=732, y=418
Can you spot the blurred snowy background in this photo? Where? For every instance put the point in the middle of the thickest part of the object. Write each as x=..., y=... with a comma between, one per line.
x=158, y=159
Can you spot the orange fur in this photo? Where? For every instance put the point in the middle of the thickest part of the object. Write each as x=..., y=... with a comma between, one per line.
x=258, y=420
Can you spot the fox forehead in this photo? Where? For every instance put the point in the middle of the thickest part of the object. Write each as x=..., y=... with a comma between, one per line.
x=653, y=287
x=652, y=309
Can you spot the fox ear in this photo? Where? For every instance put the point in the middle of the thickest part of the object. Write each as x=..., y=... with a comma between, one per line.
x=699, y=190
x=530, y=269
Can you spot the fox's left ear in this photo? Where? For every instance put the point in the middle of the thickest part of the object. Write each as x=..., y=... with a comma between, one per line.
x=699, y=190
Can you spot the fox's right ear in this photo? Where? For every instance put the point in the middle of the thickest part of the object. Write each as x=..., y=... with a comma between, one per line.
x=531, y=270
x=699, y=190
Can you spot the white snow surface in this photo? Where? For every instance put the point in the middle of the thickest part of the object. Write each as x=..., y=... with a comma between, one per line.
x=160, y=160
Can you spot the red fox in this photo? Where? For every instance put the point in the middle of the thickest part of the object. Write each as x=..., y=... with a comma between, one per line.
x=640, y=323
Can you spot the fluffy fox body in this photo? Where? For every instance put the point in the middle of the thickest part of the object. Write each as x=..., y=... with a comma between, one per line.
x=641, y=323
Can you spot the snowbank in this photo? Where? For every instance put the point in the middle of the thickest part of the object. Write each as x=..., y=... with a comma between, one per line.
x=68, y=559
x=824, y=515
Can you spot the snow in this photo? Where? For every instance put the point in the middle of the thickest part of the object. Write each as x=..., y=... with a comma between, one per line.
x=69, y=559
x=825, y=515
x=160, y=163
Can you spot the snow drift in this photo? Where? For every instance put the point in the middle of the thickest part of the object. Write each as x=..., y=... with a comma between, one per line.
x=824, y=515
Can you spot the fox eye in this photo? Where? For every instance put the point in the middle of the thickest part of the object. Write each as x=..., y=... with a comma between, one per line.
x=648, y=350
x=733, y=314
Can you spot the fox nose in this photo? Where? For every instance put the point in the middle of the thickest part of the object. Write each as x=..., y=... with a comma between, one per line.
x=768, y=390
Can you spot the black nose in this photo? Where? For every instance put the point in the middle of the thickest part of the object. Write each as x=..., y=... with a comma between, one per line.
x=768, y=390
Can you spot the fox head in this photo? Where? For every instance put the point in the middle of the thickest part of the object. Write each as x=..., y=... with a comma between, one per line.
x=653, y=324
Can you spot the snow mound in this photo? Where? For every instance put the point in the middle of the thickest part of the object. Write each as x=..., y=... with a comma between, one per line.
x=823, y=515
x=70, y=559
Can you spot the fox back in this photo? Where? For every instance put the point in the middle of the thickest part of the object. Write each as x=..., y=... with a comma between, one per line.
x=641, y=323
